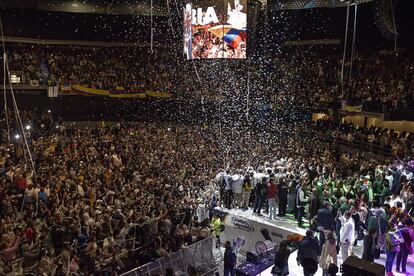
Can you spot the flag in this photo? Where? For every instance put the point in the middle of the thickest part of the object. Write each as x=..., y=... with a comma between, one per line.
x=234, y=36
x=220, y=30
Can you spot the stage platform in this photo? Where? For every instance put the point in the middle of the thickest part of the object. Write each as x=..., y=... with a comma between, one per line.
x=239, y=223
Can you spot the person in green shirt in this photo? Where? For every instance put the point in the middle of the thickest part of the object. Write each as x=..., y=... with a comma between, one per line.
x=216, y=225
x=384, y=193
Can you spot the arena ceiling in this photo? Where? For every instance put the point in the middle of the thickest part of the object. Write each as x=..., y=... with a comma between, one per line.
x=142, y=7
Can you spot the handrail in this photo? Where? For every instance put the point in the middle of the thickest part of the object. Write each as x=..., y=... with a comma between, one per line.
x=372, y=147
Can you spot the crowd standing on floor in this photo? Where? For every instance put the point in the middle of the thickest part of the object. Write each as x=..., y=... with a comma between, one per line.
x=102, y=199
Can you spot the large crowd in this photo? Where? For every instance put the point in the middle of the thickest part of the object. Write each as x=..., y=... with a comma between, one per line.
x=101, y=68
x=109, y=198
x=375, y=139
x=381, y=81
x=101, y=199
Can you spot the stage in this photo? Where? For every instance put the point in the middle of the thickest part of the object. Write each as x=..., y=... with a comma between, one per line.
x=246, y=224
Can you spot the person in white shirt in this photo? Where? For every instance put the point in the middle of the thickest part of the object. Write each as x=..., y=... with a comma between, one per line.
x=347, y=235
x=390, y=178
x=258, y=176
x=238, y=180
x=408, y=174
x=219, y=179
x=395, y=199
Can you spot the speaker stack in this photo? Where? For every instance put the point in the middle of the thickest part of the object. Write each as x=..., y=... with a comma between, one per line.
x=354, y=266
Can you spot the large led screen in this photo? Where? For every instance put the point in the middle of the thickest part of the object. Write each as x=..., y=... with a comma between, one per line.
x=215, y=29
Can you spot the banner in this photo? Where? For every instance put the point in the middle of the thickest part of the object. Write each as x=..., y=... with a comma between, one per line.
x=351, y=108
x=120, y=93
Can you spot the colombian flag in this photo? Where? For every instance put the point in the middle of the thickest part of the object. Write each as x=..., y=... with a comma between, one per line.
x=234, y=36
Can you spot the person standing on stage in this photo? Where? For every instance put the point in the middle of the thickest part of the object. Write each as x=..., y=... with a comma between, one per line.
x=268, y=173
x=325, y=221
x=271, y=197
x=237, y=180
x=228, y=187
x=259, y=195
x=291, y=194
x=313, y=204
x=247, y=189
x=221, y=184
x=308, y=252
x=301, y=201
x=347, y=234
x=258, y=176
x=230, y=259
x=282, y=193
x=257, y=180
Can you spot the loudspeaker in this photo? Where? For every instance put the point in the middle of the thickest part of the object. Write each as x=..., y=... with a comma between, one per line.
x=354, y=266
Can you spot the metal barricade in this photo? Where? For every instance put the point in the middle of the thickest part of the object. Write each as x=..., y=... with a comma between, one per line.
x=199, y=255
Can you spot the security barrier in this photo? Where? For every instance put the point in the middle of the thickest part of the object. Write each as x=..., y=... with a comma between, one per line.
x=198, y=255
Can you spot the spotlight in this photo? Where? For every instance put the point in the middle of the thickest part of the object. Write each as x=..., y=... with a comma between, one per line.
x=28, y=127
x=168, y=129
x=17, y=136
x=48, y=111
